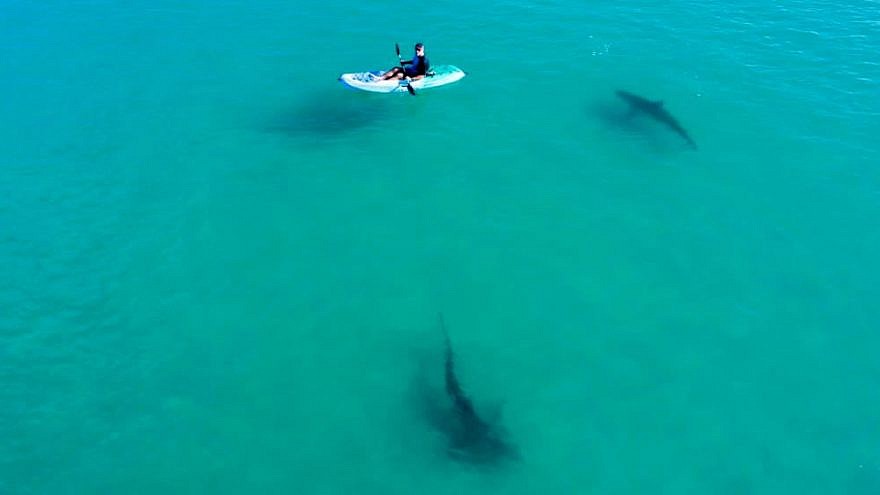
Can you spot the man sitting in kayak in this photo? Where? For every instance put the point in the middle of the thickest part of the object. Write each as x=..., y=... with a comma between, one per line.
x=417, y=69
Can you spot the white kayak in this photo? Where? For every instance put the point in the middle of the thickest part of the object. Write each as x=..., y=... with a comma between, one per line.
x=439, y=75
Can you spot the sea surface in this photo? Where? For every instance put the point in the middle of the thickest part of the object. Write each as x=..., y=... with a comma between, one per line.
x=221, y=270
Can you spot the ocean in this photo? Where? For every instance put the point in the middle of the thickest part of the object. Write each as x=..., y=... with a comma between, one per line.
x=221, y=270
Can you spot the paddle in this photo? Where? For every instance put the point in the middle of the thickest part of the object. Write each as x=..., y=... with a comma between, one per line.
x=409, y=87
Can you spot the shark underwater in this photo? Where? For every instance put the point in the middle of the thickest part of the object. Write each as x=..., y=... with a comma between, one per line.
x=655, y=110
x=472, y=439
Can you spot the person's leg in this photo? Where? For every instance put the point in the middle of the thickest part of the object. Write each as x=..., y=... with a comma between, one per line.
x=411, y=73
x=394, y=72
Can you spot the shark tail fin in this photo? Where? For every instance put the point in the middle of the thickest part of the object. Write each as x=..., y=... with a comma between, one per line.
x=446, y=339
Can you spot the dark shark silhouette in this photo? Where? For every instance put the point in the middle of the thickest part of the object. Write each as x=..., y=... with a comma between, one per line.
x=472, y=439
x=656, y=111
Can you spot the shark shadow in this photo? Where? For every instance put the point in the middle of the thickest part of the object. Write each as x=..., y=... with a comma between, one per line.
x=327, y=115
x=472, y=438
x=655, y=110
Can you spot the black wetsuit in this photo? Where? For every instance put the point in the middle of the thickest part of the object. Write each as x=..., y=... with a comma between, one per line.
x=418, y=66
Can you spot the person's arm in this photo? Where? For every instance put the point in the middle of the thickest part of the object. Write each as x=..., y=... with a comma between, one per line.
x=407, y=62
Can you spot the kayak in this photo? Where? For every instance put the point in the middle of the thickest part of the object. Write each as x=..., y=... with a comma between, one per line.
x=439, y=75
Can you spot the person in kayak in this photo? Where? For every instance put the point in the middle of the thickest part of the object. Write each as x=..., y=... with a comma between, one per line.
x=417, y=69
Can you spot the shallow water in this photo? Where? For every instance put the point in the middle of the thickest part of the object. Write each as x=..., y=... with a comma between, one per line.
x=222, y=269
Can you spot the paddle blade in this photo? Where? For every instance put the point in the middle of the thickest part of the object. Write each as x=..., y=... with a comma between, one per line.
x=397, y=48
x=411, y=89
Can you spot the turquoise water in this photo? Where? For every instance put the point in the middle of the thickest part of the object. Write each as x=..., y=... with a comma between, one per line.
x=220, y=276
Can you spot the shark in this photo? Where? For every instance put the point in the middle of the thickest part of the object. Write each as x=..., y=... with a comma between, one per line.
x=472, y=438
x=655, y=110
